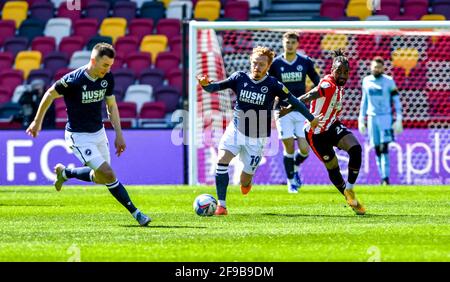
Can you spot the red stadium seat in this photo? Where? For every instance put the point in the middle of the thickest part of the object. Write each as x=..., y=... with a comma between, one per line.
x=138, y=61
x=153, y=110
x=43, y=44
x=128, y=113
x=6, y=60
x=176, y=44
x=140, y=27
x=7, y=29
x=333, y=9
x=11, y=78
x=167, y=61
x=175, y=79
x=119, y=60
x=70, y=44
x=169, y=27
x=64, y=12
x=86, y=28
x=390, y=8
x=237, y=10
x=127, y=44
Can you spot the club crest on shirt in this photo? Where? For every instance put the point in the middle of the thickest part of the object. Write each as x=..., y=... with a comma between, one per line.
x=299, y=67
x=264, y=89
x=104, y=83
x=63, y=82
x=325, y=85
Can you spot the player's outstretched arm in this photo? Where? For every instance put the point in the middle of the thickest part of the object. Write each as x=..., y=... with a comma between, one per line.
x=310, y=96
x=210, y=86
x=306, y=98
x=114, y=117
x=299, y=106
x=47, y=100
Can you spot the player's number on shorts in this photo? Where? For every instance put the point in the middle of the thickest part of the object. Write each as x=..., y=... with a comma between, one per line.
x=255, y=160
x=339, y=129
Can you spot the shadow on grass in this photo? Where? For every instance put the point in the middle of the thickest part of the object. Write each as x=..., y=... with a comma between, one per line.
x=165, y=226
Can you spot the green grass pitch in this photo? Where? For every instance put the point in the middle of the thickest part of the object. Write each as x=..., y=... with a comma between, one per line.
x=85, y=223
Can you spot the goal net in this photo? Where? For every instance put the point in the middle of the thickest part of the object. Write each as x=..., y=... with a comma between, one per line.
x=416, y=55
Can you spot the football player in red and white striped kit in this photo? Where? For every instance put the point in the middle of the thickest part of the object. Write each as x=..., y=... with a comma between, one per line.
x=326, y=100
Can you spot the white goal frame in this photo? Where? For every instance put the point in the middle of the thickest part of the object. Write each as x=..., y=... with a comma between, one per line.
x=194, y=26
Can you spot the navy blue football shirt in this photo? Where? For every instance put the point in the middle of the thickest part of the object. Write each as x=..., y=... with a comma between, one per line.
x=293, y=74
x=84, y=96
x=254, y=103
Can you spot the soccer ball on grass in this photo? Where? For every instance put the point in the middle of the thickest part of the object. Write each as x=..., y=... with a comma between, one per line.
x=205, y=205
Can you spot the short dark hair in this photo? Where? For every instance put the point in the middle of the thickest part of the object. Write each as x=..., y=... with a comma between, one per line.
x=104, y=49
x=378, y=60
x=339, y=58
x=291, y=35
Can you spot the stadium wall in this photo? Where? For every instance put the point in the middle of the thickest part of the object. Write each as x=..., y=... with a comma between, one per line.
x=418, y=156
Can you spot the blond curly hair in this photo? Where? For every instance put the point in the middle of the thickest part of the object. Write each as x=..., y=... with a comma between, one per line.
x=263, y=51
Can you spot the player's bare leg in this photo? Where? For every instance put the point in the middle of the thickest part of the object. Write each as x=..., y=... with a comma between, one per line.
x=350, y=144
x=246, y=182
x=288, y=160
x=222, y=180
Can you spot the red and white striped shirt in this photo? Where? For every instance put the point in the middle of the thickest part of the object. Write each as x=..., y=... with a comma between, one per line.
x=329, y=104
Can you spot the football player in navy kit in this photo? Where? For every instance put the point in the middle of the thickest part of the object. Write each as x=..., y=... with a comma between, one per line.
x=84, y=90
x=291, y=68
x=247, y=134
